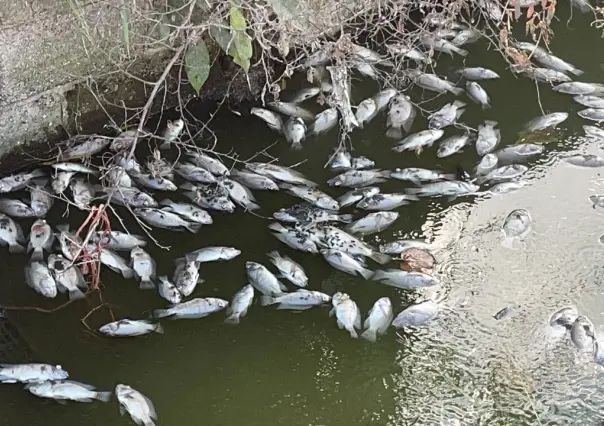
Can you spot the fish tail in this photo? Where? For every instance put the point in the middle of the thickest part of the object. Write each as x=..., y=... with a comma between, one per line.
x=158, y=328
x=366, y=273
x=148, y=422
x=103, y=396
x=166, y=202
x=161, y=313
x=462, y=52
x=146, y=285
x=16, y=248
x=165, y=145
x=353, y=333
x=413, y=191
x=267, y=300
x=380, y=258
x=412, y=197
x=485, y=106
x=456, y=91
x=394, y=133
x=193, y=227
x=346, y=218
x=273, y=254
x=378, y=275
x=296, y=146
x=37, y=255
x=127, y=273
x=252, y=206
x=76, y=294
x=37, y=173
x=370, y=335
x=232, y=319
x=577, y=71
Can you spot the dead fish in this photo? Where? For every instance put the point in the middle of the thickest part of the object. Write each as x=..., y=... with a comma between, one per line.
x=447, y=115
x=401, y=114
x=313, y=196
x=590, y=101
x=593, y=114
x=478, y=94
x=543, y=122
x=211, y=164
x=75, y=167
x=347, y=263
x=366, y=111
x=373, y=222
x=194, y=173
x=83, y=193
x=441, y=45
x=305, y=94
x=361, y=163
x=546, y=75
x=168, y=291
x=130, y=328
x=136, y=404
x=195, y=308
x=158, y=183
x=171, y=132
x=67, y=390
x=405, y=280
x=295, y=132
x=116, y=263
x=144, y=267
x=165, y=219
x=584, y=160
x=124, y=140
x=378, y=319
x=451, y=189
x=16, y=208
x=518, y=153
x=325, y=121
x=289, y=269
x=409, y=52
x=466, y=36
x=117, y=240
x=486, y=164
x=61, y=181
x=382, y=98
x=347, y=313
x=419, y=140
x=133, y=197
x=452, y=145
x=355, y=195
x=239, y=194
x=213, y=254
x=433, y=82
x=548, y=60
x=215, y=198
x=294, y=238
x=40, y=279
x=488, y=137
x=516, y=226
x=400, y=246
x=187, y=211
x=68, y=277
x=85, y=146
x=41, y=238
x=263, y=280
x=41, y=200
x=416, y=315
x=280, y=173
x=254, y=181
x=579, y=88
x=417, y=175
x=477, y=73
x=69, y=242
x=357, y=178
x=299, y=300
x=292, y=110
x=341, y=160
x=269, y=117
x=31, y=373
x=128, y=164
x=305, y=213
x=242, y=300
x=19, y=180
x=385, y=201
x=117, y=176
x=593, y=132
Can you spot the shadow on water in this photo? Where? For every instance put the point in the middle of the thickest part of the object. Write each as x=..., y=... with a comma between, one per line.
x=282, y=368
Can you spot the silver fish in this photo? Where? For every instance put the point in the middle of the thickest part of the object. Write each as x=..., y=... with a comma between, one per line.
x=307, y=213
x=419, y=140
x=192, y=309
x=194, y=173
x=116, y=263
x=215, y=198
x=61, y=181
x=117, y=240
x=405, y=280
x=385, y=201
x=478, y=94
x=583, y=334
x=366, y=111
x=242, y=300
x=518, y=153
x=593, y=132
x=124, y=140
x=373, y=222
x=254, y=181
x=165, y=219
x=305, y=94
x=452, y=145
x=186, y=276
x=449, y=188
x=506, y=187
x=31, y=373
x=347, y=313
x=383, y=97
x=466, y=36
x=584, y=160
x=334, y=238
x=144, y=267
x=67, y=391
x=546, y=75
x=41, y=200
x=40, y=279
x=415, y=315
x=75, y=167
x=187, y=211
x=41, y=238
x=16, y=208
x=293, y=238
x=168, y=291
x=366, y=69
x=325, y=121
x=67, y=276
x=128, y=164
x=130, y=328
x=365, y=54
x=313, y=196
x=158, y=183
x=292, y=110
x=361, y=163
x=478, y=73
x=401, y=114
x=593, y=114
x=211, y=164
x=548, y=60
x=417, y=175
x=171, y=132
x=341, y=160
x=133, y=197
x=344, y=262
x=356, y=178
x=355, y=195
x=85, y=146
x=70, y=244
x=295, y=132
x=289, y=269
x=398, y=247
x=433, y=82
x=447, y=115
x=516, y=226
x=486, y=164
x=488, y=137
x=139, y=407
x=213, y=254
x=299, y=300
x=83, y=193
x=11, y=234
x=378, y=319
x=590, y=101
x=239, y=194
x=579, y=88
x=504, y=173
x=317, y=58
x=280, y=173
x=263, y=280
x=272, y=119
x=564, y=317
x=441, y=45
x=543, y=122
x=408, y=52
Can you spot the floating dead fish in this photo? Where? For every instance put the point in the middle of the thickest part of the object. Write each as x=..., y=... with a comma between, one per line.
x=171, y=132
x=242, y=300
x=477, y=73
x=144, y=267
x=447, y=115
x=584, y=160
x=366, y=111
x=401, y=114
x=281, y=173
x=307, y=213
x=81, y=146
x=325, y=121
x=116, y=263
x=211, y=164
x=117, y=240
x=254, y=181
x=357, y=178
x=372, y=223
x=312, y=196
x=305, y=94
x=67, y=276
x=272, y=119
x=133, y=197
x=488, y=137
x=83, y=193
x=16, y=208
x=478, y=94
x=295, y=132
x=187, y=211
x=130, y=328
x=20, y=180
x=299, y=300
x=292, y=110
x=347, y=313
x=593, y=114
x=165, y=219
x=61, y=181
x=543, y=122
x=433, y=82
x=38, y=277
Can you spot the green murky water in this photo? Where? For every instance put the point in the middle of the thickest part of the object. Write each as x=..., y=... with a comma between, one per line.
x=283, y=368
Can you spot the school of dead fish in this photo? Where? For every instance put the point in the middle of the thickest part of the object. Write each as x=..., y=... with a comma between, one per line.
x=316, y=226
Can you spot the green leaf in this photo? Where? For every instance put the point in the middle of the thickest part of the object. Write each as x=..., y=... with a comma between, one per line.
x=241, y=49
x=221, y=36
x=197, y=65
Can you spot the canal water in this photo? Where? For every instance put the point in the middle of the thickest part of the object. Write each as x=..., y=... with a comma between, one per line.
x=299, y=369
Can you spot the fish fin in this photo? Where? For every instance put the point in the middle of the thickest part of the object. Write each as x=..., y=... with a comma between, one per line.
x=346, y=218
x=296, y=146
x=232, y=319
x=103, y=396
x=283, y=287
x=76, y=294
x=127, y=273
x=366, y=273
x=293, y=307
x=380, y=258
x=353, y=333
x=38, y=173
x=146, y=285
x=37, y=256
x=451, y=198
x=449, y=176
x=159, y=329
x=485, y=106
x=577, y=71
x=394, y=133
x=462, y=52
x=378, y=275
x=193, y=227
x=251, y=206
x=162, y=313
x=166, y=202
x=16, y=248
x=332, y=311
x=267, y=300
x=370, y=335
x=273, y=254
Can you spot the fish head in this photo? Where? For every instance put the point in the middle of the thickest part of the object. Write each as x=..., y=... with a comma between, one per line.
x=328, y=203
x=4, y=186
x=252, y=267
x=325, y=298
x=58, y=373
x=109, y=328
x=220, y=303
x=338, y=298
